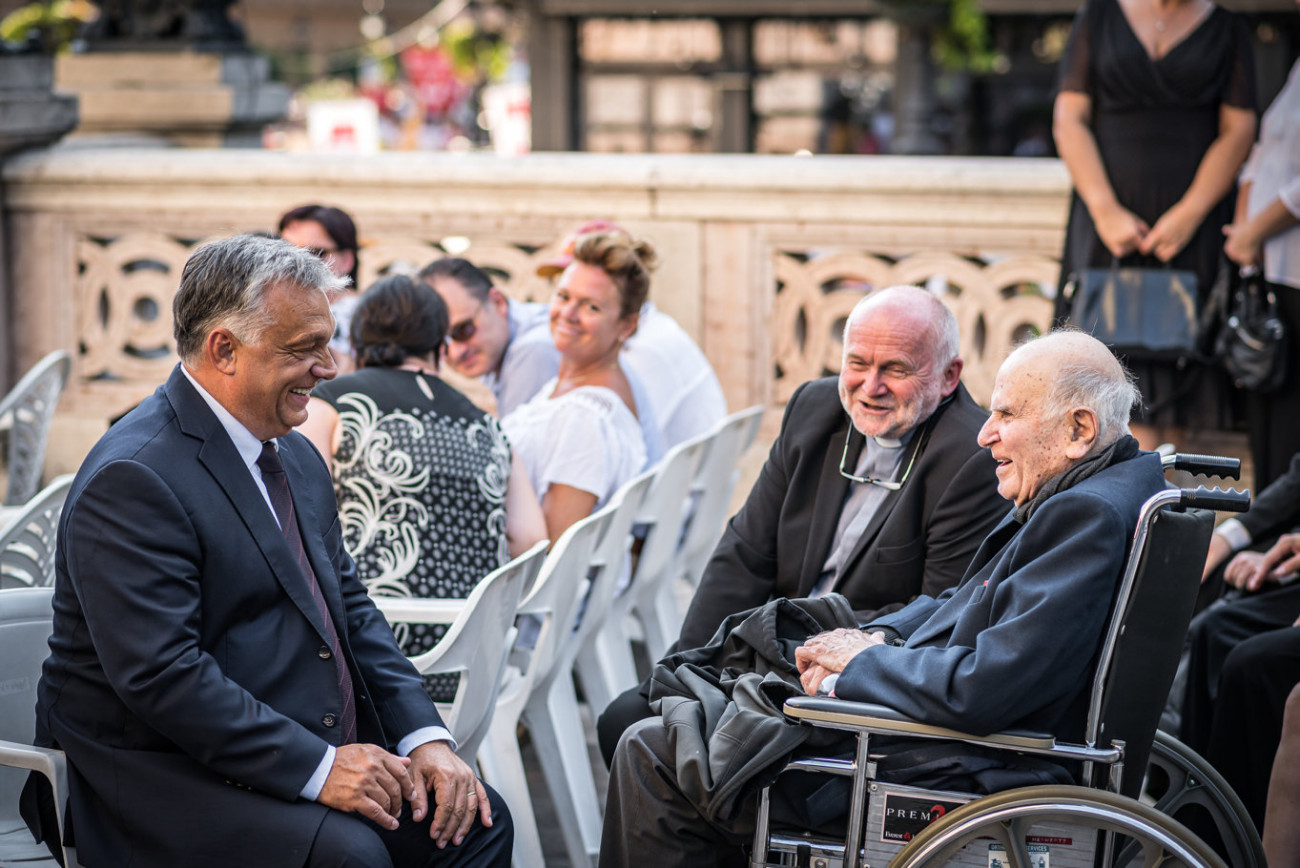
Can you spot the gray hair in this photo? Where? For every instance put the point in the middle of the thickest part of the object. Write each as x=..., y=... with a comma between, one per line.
x=1104, y=386
x=945, y=336
x=224, y=285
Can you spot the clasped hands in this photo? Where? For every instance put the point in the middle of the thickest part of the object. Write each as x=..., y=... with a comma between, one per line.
x=830, y=652
x=1123, y=232
x=372, y=782
x=1250, y=570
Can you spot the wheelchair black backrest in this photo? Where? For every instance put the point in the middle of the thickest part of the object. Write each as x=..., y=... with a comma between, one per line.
x=1148, y=638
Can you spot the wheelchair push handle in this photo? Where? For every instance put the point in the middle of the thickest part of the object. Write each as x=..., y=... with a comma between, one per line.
x=1207, y=465
x=1220, y=499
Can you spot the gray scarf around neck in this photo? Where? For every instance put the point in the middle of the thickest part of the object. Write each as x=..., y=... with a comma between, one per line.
x=1121, y=450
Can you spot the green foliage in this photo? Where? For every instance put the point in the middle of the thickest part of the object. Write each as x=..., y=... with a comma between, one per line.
x=476, y=55
x=55, y=23
x=964, y=43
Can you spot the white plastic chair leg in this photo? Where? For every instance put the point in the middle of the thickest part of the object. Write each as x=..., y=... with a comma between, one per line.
x=503, y=768
x=556, y=729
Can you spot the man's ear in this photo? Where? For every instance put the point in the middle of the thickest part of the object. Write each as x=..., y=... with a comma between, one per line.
x=497, y=299
x=221, y=349
x=1083, y=431
x=951, y=377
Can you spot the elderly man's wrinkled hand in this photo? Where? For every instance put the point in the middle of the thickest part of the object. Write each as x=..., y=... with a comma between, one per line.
x=458, y=795
x=830, y=652
x=1245, y=571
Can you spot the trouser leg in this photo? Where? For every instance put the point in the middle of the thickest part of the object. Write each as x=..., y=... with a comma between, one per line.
x=1213, y=635
x=618, y=717
x=351, y=841
x=648, y=821
x=1257, y=678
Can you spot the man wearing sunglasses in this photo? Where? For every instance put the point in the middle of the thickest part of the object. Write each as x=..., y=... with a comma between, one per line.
x=875, y=487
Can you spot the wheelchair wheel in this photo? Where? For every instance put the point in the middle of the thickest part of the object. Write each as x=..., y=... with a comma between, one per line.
x=1180, y=783
x=1158, y=840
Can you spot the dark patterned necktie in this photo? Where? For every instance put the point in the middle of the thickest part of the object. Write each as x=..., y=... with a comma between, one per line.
x=277, y=486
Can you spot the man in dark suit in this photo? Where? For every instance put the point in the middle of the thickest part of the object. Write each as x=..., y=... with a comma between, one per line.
x=875, y=488
x=224, y=689
x=1012, y=646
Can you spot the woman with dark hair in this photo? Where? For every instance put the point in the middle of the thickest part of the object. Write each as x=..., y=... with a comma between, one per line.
x=579, y=437
x=331, y=235
x=431, y=498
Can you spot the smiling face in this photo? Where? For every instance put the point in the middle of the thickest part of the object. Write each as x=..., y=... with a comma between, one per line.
x=479, y=331
x=1029, y=446
x=585, y=321
x=890, y=381
x=312, y=235
x=272, y=375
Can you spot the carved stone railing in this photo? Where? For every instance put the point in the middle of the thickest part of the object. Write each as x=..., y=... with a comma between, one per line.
x=763, y=256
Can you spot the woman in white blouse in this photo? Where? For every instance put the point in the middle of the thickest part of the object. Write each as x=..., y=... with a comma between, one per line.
x=1264, y=232
x=578, y=437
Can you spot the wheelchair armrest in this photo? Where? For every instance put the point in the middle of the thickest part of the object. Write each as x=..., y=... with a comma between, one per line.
x=868, y=717
x=420, y=610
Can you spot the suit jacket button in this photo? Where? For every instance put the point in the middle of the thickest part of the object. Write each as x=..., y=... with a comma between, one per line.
x=329, y=720
x=324, y=652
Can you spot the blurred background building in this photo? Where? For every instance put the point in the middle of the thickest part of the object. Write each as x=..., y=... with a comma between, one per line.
x=957, y=77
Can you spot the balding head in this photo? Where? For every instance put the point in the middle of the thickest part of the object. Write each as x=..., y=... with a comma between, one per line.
x=1083, y=373
x=919, y=311
x=900, y=360
x=1057, y=400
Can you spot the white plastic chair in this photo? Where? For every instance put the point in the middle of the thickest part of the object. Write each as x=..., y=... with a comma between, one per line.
x=26, y=619
x=714, y=482
x=600, y=679
x=536, y=691
x=26, y=413
x=27, y=538
x=475, y=646
x=648, y=597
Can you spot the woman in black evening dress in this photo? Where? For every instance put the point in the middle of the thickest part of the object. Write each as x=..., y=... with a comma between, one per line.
x=1155, y=116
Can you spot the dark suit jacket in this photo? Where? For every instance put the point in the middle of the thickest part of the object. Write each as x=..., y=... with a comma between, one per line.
x=1014, y=646
x=190, y=681
x=1276, y=509
x=920, y=540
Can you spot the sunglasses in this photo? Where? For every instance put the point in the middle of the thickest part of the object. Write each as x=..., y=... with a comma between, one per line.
x=465, y=329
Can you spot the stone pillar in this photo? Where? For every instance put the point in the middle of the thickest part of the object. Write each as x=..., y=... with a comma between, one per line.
x=552, y=60
x=736, y=87
x=914, y=93
x=190, y=98
x=175, y=69
x=31, y=115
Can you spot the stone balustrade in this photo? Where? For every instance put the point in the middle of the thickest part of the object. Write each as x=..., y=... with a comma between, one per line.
x=762, y=256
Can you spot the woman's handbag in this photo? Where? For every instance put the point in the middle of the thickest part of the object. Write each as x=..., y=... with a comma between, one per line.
x=1251, y=339
x=1140, y=313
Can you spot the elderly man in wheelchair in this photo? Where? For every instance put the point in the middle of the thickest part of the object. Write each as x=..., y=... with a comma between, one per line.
x=1046, y=666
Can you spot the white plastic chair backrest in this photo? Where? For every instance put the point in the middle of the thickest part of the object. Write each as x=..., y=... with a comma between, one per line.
x=27, y=538
x=714, y=482
x=475, y=646
x=665, y=507
x=30, y=407
x=556, y=596
x=26, y=620
x=607, y=561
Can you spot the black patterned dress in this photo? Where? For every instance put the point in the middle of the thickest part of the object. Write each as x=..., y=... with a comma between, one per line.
x=420, y=475
x=1153, y=121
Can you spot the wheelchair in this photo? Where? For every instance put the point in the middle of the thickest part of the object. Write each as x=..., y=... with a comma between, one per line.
x=1096, y=822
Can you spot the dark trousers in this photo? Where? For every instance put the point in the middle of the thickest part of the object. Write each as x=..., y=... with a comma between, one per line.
x=352, y=841
x=1213, y=635
x=1257, y=677
x=648, y=821
x=626, y=709
x=1274, y=419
